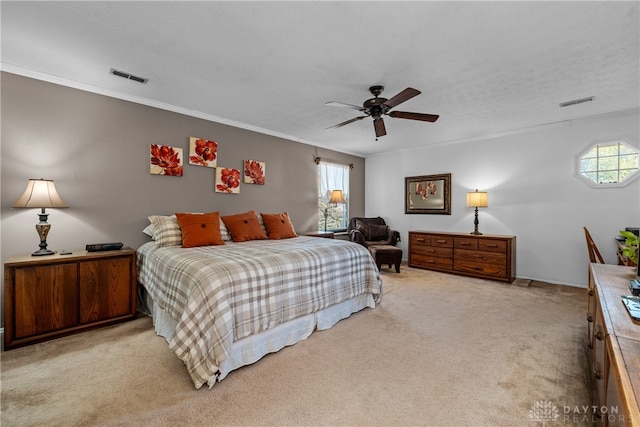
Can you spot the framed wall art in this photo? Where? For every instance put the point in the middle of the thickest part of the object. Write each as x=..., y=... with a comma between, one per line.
x=203, y=152
x=165, y=160
x=428, y=194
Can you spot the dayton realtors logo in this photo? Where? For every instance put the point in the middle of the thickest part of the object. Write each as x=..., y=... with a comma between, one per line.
x=547, y=412
x=544, y=411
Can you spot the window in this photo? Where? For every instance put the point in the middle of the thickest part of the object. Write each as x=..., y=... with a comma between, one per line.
x=331, y=177
x=609, y=164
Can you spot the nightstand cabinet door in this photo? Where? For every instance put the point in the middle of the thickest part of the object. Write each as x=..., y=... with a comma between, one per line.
x=46, y=299
x=104, y=287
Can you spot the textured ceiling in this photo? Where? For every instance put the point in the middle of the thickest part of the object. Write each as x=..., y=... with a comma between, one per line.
x=486, y=68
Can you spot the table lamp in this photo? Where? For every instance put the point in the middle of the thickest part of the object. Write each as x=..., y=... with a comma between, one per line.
x=336, y=198
x=41, y=193
x=477, y=199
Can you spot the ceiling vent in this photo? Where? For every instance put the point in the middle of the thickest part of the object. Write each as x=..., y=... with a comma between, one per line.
x=576, y=101
x=128, y=76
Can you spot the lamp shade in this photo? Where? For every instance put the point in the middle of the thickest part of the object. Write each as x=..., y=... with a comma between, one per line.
x=337, y=197
x=40, y=193
x=477, y=199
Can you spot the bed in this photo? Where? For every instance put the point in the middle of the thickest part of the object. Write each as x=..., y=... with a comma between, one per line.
x=222, y=307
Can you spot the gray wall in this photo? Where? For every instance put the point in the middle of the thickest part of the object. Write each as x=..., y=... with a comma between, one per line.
x=96, y=148
x=533, y=189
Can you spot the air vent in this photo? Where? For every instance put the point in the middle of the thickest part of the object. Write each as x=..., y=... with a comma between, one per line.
x=125, y=75
x=576, y=101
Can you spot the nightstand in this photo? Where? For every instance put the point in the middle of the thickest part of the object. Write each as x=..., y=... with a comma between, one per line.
x=51, y=296
x=325, y=234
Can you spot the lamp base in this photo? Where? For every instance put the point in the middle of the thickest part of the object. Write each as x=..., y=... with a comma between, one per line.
x=476, y=232
x=41, y=252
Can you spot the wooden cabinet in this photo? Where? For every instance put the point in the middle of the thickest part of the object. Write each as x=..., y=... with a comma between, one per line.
x=51, y=296
x=484, y=256
x=614, y=347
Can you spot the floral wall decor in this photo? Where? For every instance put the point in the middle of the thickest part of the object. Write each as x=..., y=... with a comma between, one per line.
x=227, y=180
x=203, y=152
x=165, y=160
x=254, y=172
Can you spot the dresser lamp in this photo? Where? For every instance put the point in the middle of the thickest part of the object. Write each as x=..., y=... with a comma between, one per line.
x=336, y=198
x=477, y=199
x=42, y=194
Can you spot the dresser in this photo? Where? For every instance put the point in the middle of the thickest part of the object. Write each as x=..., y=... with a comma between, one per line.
x=613, y=338
x=485, y=256
x=55, y=295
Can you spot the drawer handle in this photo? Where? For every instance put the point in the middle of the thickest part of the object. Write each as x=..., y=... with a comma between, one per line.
x=589, y=318
x=430, y=261
x=465, y=244
x=491, y=245
x=477, y=256
x=441, y=241
x=597, y=374
x=420, y=239
x=599, y=336
x=432, y=251
x=477, y=268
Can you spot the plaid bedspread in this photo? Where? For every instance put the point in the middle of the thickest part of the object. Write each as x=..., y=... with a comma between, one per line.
x=219, y=294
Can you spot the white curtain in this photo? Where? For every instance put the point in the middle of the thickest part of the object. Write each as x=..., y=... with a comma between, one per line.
x=333, y=176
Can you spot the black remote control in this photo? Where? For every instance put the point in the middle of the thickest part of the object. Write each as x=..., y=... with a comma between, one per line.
x=96, y=247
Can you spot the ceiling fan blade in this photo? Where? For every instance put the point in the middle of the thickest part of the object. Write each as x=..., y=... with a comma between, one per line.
x=343, y=105
x=403, y=96
x=345, y=123
x=378, y=124
x=414, y=116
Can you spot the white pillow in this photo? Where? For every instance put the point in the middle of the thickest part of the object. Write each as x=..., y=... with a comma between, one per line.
x=166, y=230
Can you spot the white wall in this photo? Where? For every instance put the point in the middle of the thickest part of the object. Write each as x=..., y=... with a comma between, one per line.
x=533, y=194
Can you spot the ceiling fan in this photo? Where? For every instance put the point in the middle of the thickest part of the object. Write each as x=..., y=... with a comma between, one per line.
x=376, y=107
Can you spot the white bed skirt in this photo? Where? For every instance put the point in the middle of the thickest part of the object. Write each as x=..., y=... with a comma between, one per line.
x=250, y=349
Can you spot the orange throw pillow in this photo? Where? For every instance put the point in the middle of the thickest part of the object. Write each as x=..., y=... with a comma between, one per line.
x=200, y=229
x=278, y=226
x=244, y=227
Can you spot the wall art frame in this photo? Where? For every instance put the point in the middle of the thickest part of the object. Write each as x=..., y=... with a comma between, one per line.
x=428, y=194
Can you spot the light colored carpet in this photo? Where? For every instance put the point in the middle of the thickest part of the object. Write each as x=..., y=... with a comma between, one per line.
x=440, y=350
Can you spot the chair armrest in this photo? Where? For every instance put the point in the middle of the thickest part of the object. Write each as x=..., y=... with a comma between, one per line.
x=394, y=237
x=357, y=236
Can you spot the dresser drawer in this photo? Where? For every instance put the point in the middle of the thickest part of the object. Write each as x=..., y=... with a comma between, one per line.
x=481, y=269
x=433, y=251
x=420, y=239
x=481, y=256
x=442, y=240
x=430, y=261
x=492, y=245
x=465, y=243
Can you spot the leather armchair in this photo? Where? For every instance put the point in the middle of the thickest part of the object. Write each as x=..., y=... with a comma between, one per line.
x=371, y=232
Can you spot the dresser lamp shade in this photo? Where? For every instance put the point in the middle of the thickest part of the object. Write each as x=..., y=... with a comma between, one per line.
x=42, y=194
x=477, y=199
